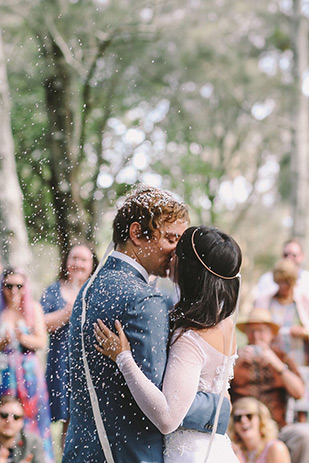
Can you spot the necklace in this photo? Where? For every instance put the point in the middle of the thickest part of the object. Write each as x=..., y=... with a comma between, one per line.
x=252, y=456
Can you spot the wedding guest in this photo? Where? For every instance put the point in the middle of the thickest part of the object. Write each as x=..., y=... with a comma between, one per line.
x=255, y=434
x=57, y=302
x=22, y=333
x=293, y=251
x=17, y=445
x=289, y=308
x=271, y=376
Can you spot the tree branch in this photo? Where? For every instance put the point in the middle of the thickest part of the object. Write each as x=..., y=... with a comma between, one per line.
x=61, y=43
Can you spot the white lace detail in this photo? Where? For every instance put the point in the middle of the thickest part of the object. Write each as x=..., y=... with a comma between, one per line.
x=181, y=441
x=212, y=376
x=211, y=380
x=185, y=442
x=218, y=381
x=193, y=365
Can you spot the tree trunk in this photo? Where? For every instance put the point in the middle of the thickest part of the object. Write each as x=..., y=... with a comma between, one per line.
x=70, y=216
x=299, y=161
x=13, y=235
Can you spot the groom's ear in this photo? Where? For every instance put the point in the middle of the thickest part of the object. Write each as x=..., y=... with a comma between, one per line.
x=135, y=233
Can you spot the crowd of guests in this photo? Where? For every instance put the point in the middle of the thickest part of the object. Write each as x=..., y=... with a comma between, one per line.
x=266, y=372
x=42, y=397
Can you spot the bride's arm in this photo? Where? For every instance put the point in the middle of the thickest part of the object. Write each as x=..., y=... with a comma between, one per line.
x=166, y=408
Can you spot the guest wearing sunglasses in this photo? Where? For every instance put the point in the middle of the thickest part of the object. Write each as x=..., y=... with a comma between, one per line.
x=271, y=376
x=16, y=445
x=254, y=434
x=292, y=250
x=22, y=334
x=289, y=308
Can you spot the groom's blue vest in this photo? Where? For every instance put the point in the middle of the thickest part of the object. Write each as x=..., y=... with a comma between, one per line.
x=120, y=292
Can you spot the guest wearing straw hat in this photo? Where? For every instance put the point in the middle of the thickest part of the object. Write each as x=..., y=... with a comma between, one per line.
x=271, y=376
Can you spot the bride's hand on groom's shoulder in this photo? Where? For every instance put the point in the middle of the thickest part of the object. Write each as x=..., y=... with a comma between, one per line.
x=109, y=343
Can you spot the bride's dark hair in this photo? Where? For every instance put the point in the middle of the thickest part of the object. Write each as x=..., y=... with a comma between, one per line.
x=207, y=274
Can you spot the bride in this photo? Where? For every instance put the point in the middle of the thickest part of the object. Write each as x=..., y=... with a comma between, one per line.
x=207, y=273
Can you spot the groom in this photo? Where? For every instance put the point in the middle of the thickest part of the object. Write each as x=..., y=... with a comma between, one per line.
x=146, y=230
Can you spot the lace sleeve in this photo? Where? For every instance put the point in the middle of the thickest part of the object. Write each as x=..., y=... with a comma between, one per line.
x=166, y=408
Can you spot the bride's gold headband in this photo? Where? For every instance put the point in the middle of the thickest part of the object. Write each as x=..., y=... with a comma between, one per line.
x=203, y=263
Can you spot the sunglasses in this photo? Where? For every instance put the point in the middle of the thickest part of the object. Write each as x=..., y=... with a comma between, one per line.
x=5, y=416
x=292, y=254
x=237, y=418
x=10, y=286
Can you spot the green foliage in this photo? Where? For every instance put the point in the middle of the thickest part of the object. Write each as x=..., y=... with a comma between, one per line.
x=107, y=67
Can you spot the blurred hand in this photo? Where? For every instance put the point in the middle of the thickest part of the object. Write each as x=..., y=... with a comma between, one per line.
x=268, y=357
x=298, y=331
x=4, y=453
x=23, y=338
x=6, y=340
x=249, y=353
x=28, y=458
x=69, y=306
x=19, y=334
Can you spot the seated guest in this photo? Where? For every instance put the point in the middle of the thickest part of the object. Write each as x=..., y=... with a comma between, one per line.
x=254, y=434
x=271, y=376
x=17, y=446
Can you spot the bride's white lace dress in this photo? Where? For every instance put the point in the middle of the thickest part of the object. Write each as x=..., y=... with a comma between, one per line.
x=193, y=365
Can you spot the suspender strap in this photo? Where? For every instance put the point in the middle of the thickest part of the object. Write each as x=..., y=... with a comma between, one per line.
x=93, y=396
x=226, y=375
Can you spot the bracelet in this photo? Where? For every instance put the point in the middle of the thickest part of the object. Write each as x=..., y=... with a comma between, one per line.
x=284, y=369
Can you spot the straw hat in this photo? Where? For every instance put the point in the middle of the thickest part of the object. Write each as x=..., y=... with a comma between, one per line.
x=259, y=315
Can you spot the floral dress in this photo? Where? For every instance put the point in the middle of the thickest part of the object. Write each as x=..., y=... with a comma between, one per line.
x=22, y=376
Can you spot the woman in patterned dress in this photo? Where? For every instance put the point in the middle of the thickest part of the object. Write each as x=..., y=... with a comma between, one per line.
x=22, y=333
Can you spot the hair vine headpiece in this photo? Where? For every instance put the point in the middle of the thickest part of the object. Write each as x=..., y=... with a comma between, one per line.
x=203, y=263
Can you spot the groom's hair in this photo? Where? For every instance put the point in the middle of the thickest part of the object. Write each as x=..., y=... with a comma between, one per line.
x=150, y=207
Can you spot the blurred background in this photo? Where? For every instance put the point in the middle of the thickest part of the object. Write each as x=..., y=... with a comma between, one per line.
x=207, y=99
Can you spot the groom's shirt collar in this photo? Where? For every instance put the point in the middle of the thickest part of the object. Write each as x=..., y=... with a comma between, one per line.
x=129, y=260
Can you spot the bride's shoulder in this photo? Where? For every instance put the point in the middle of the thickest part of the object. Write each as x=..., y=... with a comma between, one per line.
x=179, y=336
x=228, y=323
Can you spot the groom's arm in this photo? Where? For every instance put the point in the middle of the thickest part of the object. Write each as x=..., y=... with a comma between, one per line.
x=146, y=324
x=201, y=415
